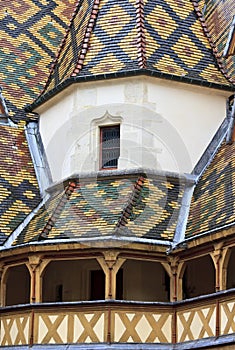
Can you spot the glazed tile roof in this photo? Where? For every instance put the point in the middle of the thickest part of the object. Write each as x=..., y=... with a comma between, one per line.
x=19, y=193
x=213, y=203
x=130, y=206
x=30, y=33
x=165, y=38
x=218, y=17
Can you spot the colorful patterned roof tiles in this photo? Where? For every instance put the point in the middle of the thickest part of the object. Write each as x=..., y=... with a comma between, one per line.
x=98, y=38
x=30, y=33
x=213, y=203
x=165, y=38
x=179, y=34
x=218, y=20
x=130, y=207
x=19, y=193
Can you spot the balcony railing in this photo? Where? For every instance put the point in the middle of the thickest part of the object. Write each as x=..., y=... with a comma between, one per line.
x=113, y=321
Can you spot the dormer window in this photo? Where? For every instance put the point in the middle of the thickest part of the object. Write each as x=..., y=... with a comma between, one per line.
x=109, y=146
x=230, y=45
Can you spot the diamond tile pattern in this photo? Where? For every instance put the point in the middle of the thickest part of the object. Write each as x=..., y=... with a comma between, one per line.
x=73, y=45
x=19, y=193
x=124, y=206
x=171, y=37
x=30, y=33
x=213, y=203
x=218, y=18
x=173, y=42
x=179, y=34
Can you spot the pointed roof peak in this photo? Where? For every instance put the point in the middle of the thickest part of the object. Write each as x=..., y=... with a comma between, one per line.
x=164, y=38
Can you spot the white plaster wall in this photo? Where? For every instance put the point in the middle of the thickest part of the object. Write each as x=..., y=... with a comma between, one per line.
x=164, y=125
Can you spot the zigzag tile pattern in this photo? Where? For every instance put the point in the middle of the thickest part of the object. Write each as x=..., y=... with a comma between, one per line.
x=170, y=37
x=218, y=18
x=19, y=193
x=213, y=204
x=97, y=208
x=30, y=33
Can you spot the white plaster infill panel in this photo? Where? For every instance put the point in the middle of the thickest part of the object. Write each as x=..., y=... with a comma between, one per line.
x=164, y=125
x=227, y=318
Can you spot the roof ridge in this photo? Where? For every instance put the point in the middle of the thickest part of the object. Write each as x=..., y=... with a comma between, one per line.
x=141, y=39
x=58, y=209
x=134, y=196
x=219, y=59
x=87, y=35
x=61, y=46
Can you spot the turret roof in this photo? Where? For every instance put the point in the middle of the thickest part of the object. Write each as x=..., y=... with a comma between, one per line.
x=170, y=39
x=127, y=207
x=162, y=38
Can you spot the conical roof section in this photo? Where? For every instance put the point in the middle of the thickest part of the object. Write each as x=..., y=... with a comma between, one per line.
x=165, y=38
x=219, y=16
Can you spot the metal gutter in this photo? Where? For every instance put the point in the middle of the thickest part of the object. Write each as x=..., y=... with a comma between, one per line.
x=183, y=217
x=206, y=233
x=212, y=149
x=90, y=241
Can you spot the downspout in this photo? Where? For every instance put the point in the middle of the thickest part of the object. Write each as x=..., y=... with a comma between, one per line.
x=228, y=131
x=179, y=236
x=38, y=155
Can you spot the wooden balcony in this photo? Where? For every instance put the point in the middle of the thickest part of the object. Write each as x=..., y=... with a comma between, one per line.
x=111, y=321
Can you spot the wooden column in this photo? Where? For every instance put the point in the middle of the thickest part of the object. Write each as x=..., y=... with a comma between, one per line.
x=226, y=253
x=35, y=286
x=172, y=269
x=3, y=285
x=110, y=264
x=217, y=259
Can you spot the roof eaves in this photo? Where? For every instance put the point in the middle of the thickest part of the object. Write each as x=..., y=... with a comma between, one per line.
x=209, y=232
x=135, y=72
x=113, y=238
